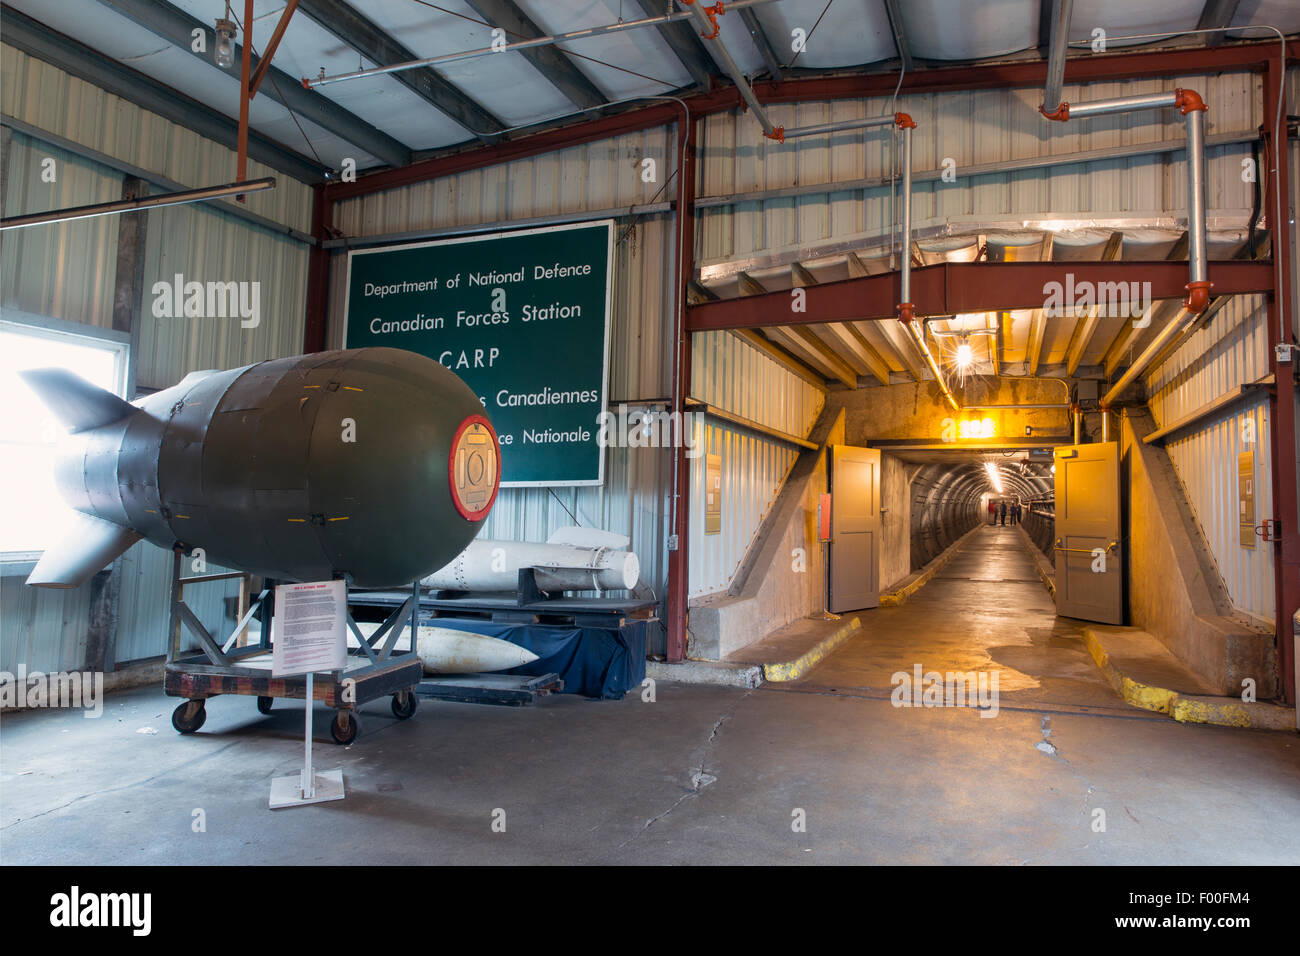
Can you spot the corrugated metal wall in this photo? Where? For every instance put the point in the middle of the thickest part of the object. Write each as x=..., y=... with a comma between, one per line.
x=206, y=245
x=735, y=159
x=42, y=95
x=64, y=270
x=1232, y=350
x=67, y=271
x=732, y=375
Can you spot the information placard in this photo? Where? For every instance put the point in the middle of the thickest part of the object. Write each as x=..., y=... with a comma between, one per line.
x=309, y=632
x=522, y=317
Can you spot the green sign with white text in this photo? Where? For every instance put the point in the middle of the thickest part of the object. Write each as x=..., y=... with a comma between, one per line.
x=522, y=317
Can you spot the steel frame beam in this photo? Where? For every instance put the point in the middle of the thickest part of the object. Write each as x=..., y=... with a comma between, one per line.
x=686, y=44
x=676, y=612
x=1282, y=403
x=951, y=287
x=1215, y=15
x=1092, y=68
x=761, y=43
x=380, y=48
x=895, y=14
x=272, y=45
x=558, y=69
x=37, y=40
x=174, y=25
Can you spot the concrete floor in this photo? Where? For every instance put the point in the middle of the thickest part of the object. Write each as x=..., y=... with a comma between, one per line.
x=701, y=775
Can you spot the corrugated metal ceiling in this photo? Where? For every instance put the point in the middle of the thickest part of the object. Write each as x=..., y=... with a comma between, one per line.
x=842, y=34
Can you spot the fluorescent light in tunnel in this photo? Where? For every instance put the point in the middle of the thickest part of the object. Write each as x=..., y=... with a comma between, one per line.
x=995, y=478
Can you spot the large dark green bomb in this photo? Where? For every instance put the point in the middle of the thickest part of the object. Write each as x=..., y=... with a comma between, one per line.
x=376, y=465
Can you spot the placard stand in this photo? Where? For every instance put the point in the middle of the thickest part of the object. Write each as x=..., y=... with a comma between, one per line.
x=315, y=641
x=305, y=786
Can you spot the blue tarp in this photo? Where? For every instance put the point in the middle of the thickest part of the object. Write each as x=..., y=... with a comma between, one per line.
x=592, y=661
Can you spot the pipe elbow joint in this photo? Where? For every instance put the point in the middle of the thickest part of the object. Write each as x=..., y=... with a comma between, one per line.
x=778, y=134
x=1198, y=296
x=1188, y=100
x=713, y=13
x=905, y=312
x=904, y=121
x=1060, y=114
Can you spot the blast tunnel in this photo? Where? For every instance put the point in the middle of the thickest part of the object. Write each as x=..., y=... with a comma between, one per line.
x=950, y=495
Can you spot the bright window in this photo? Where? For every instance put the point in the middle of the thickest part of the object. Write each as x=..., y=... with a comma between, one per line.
x=33, y=516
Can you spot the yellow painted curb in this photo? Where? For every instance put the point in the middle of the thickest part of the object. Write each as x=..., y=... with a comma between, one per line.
x=792, y=670
x=1187, y=708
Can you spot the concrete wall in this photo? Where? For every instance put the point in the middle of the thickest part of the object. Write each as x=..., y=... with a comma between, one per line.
x=783, y=575
x=896, y=522
x=1175, y=591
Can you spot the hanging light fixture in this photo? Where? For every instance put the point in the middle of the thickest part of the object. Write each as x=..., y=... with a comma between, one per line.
x=223, y=54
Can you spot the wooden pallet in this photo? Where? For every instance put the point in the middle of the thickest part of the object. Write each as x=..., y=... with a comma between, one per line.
x=503, y=689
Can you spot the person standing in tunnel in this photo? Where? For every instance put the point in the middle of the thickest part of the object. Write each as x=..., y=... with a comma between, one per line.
x=993, y=511
x=1002, y=510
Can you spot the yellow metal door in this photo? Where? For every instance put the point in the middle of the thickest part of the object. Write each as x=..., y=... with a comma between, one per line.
x=1089, y=551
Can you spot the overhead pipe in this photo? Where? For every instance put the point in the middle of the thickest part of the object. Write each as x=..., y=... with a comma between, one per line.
x=546, y=40
x=905, y=307
x=1060, y=43
x=134, y=205
x=870, y=122
x=707, y=18
x=1193, y=108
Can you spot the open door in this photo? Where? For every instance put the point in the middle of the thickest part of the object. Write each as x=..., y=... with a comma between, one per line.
x=853, y=572
x=1089, y=551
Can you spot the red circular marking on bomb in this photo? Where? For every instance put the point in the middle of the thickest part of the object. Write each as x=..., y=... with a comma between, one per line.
x=474, y=468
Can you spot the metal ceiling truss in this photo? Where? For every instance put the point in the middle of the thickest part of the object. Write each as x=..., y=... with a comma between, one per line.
x=377, y=46
x=550, y=61
x=686, y=44
x=174, y=25
x=617, y=120
x=953, y=287
x=38, y=40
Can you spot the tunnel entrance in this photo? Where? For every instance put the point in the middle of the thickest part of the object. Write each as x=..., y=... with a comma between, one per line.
x=953, y=491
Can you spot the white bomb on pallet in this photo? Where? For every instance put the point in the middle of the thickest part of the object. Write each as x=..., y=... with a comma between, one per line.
x=573, y=559
x=446, y=650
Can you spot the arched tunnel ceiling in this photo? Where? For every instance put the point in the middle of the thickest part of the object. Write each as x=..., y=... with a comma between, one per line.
x=962, y=477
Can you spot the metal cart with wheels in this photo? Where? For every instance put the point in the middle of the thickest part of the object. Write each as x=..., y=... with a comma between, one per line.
x=374, y=669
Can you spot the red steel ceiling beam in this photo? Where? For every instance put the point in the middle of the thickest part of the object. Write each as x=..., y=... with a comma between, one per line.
x=951, y=287
x=1029, y=73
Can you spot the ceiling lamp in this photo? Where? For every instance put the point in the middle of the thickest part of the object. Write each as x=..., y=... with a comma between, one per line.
x=995, y=478
x=224, y=52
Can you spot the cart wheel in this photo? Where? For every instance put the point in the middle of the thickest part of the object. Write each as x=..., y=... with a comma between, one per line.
x=264, y=704
x=344, y=727
x=404, y=703
x=189, y=716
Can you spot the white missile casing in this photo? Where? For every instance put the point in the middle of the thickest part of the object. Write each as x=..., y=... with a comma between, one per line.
x=445, y=650
x=575, y=559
